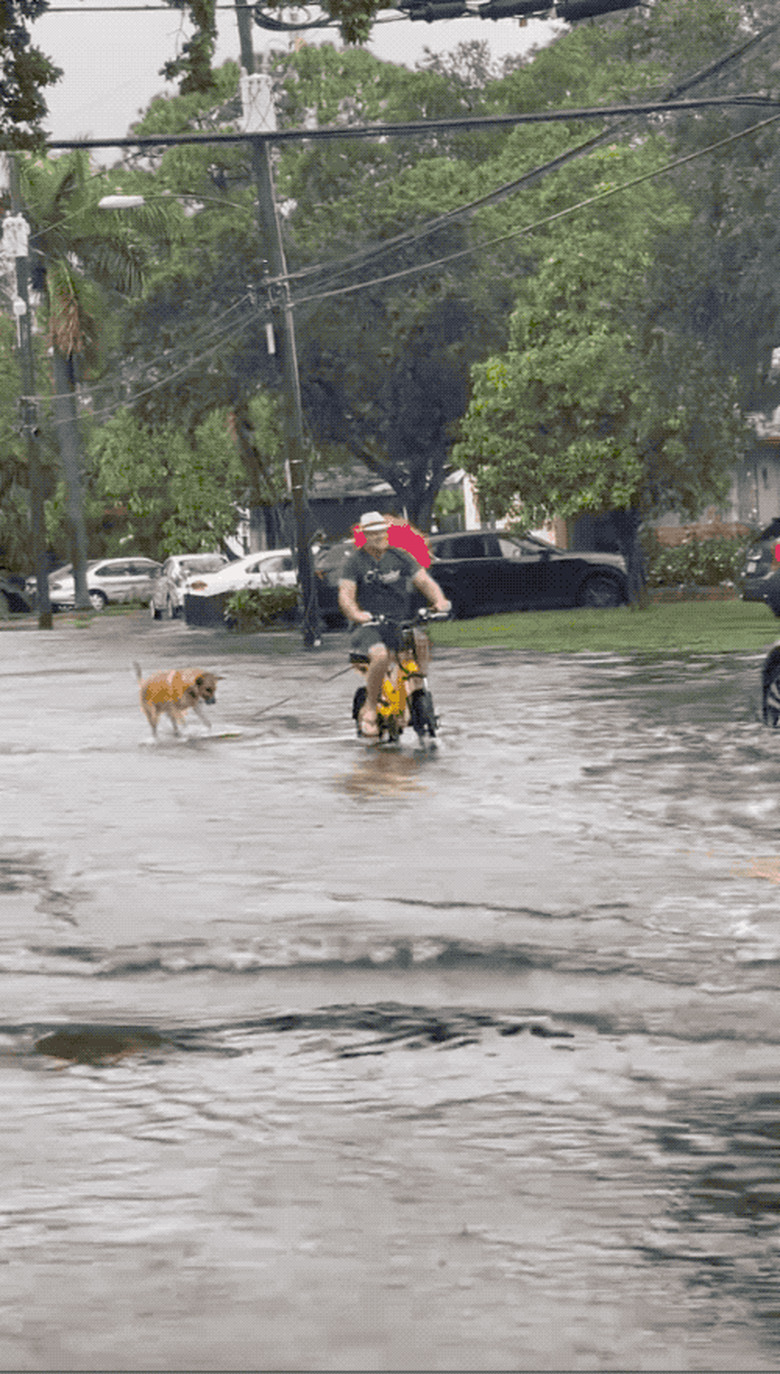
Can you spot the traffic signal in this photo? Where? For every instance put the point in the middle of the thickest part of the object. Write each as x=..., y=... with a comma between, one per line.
x=572, y=10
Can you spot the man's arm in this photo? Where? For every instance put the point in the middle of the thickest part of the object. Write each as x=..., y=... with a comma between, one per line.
x=348, y=603
x=431, y=590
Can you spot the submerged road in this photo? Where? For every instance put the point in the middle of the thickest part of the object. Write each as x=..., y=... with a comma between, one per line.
x=319, y=1056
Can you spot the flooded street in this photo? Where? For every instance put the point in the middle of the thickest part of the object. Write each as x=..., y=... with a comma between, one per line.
x=320, y=1057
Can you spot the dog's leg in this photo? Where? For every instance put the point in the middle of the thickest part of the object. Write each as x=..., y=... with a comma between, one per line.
x=201, y=714
x=177, y=718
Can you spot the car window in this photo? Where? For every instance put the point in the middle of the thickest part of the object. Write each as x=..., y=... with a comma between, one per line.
x=513, y=548
x=517, y=547
x=462, y=546
x=206, y=563
x=111, y=570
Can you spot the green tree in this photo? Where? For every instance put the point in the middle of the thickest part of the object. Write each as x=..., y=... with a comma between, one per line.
x=16, y=551
x=385, y=367
x=24, y=73
x=180, y=496
x=81, y=260
x=591, y=408
x=384, y=372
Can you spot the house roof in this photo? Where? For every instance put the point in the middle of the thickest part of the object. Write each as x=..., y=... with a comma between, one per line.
x=346, y=481
x=766, y=425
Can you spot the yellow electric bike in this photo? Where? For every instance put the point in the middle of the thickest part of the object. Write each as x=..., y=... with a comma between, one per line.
x=405, y=698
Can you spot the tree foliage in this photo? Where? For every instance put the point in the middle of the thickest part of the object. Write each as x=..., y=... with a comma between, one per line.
x=24, y=73
x=396, y=298
x=180, y=495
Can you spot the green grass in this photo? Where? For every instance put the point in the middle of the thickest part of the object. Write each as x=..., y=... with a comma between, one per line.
x=678, y=627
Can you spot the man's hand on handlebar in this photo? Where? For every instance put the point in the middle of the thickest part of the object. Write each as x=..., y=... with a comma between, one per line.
x=436, y=612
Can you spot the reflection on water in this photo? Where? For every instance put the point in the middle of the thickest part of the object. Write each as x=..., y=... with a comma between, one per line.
x=767, y=867
x=298, y=1075
x=381, y=771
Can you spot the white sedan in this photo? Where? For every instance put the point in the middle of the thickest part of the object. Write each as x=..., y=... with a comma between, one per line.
x=108, y=579
x=269, y=568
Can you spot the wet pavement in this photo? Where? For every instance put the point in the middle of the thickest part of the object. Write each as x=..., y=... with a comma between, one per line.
x=321, y=1056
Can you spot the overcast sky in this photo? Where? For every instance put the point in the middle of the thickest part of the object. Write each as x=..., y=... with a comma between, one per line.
x=111, y=57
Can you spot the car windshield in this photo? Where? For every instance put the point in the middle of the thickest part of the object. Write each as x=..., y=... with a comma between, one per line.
x=206, y=562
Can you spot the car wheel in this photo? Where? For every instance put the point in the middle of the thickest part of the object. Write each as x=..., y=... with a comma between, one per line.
x=98, y=600
x=155, y=611
x=601, y=590
x=5, y=609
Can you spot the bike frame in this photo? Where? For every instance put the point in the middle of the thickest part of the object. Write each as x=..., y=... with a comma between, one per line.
x=410, y=661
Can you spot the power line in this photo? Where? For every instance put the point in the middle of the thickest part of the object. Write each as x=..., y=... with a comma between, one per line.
x=420, y=127
x=539, y=224
x=336, y=269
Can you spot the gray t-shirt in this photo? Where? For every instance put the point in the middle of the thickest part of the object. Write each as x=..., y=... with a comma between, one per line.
x=383, y=585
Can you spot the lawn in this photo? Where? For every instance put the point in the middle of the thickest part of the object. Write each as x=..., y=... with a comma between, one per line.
x=677, y=627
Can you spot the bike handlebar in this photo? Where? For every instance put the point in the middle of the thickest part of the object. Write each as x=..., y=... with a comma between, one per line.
x=423, y=617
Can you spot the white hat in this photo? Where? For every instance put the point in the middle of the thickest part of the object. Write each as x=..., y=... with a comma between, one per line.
x=372, y=520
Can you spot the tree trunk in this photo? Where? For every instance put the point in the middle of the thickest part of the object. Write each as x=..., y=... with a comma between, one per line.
x=72, y=456
x=627, y=524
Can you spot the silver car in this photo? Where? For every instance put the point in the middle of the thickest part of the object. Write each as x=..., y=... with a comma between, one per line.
x=167, y=598
x=108, y=579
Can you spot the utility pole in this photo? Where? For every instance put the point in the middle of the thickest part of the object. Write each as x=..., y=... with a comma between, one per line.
x=284, y=329
x=16, y=234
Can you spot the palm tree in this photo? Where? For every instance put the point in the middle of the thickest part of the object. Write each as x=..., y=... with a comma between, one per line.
x=81, y=258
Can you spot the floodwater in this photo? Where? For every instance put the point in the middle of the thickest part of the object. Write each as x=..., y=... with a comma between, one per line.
x=315, y=1056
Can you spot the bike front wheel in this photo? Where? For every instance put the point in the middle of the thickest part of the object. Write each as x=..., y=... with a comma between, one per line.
x=422, y=714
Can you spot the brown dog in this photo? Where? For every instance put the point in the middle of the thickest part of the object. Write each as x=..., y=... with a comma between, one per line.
x=174, y=693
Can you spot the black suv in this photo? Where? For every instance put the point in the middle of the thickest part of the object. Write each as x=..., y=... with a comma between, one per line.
x=483, y=571
x=760, y=572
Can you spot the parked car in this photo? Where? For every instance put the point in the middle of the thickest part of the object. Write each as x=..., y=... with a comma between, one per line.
x=269, y=568
x=328, y=567
x=760, y=565
x=205, y=594
x=167, y=597
x=483, y=571
x=14, y=598
x=108, y=579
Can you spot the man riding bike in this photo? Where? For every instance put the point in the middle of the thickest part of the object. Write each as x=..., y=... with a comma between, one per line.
x=375, y=582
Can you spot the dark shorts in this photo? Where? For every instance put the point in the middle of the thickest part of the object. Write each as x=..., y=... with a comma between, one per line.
x=364, y=636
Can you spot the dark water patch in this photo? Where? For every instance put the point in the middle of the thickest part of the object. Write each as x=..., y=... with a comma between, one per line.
x=107, y=1043
x=351, y=1031
x=28, y=873
x=96, y=1044
x=396, y=1024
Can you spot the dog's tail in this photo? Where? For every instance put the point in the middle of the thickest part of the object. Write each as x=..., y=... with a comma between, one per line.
x=138, y=672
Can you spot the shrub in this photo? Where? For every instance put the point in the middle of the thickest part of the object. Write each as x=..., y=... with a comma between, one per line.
x=699, y=563
x=254, y=609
